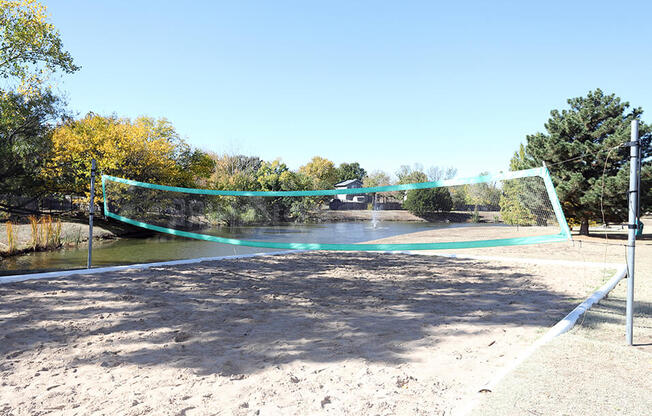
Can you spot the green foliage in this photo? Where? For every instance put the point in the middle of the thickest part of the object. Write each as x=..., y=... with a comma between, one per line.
x=25, y=141
x=590, y=130
x=347, y=171
x=459, y=197
x=482, y=193
x=475, y=217
x=194, y=167
x=512, y=210
x=524, y=201
x=235, y=172
x=380, y=178
x=275, y=176
x=424, y=201
x=238, y=172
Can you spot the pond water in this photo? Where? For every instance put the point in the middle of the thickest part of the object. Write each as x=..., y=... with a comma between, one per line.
x=164, y=247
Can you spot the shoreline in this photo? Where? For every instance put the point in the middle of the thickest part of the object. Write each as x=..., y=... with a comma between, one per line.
x=72, y=234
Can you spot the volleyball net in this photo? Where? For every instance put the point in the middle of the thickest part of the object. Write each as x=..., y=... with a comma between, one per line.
x=512, y=208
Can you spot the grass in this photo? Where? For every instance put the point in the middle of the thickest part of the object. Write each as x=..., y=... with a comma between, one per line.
x=45, y=233
x=57, y=233
x=46, y=227
x=11, y=237
x=36, y=240
x=74, y=238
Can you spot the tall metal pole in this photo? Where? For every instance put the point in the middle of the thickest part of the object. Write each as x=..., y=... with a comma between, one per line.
x=631, y=229
x=91, y=213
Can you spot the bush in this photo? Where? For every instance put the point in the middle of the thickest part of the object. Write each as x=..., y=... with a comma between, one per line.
x=423, y=201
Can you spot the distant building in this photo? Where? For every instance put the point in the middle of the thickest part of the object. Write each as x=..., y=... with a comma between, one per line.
x=350, y=201
x=351, y=184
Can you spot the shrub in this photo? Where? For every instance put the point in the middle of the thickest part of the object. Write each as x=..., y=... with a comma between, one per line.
x=424, y=201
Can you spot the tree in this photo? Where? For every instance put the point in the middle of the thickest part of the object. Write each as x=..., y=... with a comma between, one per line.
x=275, y=176
x=524, y=201
x=437, y=173
x=580, y=144
x=144, y=149
x=406, y=174
x=513, y=209
x=376, y=178
x=24, y=142
x=485, y=193
x=195, y=167
x=30, y=46
x=322, y=171
x=424, y=201
x=235, y=172
x=459, y=197
x=347, y=171
x=30, y=50
x=380, y=178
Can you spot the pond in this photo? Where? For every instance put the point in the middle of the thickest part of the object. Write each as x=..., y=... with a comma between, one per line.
x=164, y=247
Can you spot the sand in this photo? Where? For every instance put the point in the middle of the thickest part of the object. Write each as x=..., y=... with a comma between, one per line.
x=306, y=333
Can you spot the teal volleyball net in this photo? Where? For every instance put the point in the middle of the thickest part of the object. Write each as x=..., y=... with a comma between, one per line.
x=513, y=208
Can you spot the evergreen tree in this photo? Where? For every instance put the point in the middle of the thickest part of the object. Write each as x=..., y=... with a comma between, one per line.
x=424, y=201
x=580, y=147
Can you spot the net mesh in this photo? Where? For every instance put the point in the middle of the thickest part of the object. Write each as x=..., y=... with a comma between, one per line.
x=474, y=212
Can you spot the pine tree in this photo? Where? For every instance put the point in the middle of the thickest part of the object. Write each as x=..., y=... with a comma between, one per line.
x=590, y=169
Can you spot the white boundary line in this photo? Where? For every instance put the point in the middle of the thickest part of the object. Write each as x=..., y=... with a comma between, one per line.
x=64, y=273
x=564, y=325
x=561, y=327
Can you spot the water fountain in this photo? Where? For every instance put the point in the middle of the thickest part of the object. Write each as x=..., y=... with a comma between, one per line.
x=374, y=213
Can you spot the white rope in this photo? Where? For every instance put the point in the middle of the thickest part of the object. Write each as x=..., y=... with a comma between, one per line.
x=559, y=328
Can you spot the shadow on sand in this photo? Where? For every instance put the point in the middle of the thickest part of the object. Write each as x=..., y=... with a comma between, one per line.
x=240, y=316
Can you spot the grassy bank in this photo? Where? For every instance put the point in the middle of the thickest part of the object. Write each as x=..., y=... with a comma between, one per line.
x=17, y=238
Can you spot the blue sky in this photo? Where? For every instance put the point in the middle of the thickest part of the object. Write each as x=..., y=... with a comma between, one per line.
x=381, y=83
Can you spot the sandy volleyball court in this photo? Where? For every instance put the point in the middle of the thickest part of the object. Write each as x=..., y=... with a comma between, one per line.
x=306, y=333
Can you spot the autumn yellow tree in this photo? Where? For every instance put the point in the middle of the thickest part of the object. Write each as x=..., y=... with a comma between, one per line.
x=143, y=149
x=322, y=171
x=30, y=46
x=235, y=172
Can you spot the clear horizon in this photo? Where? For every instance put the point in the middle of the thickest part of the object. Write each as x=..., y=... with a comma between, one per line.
x=376, y=83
